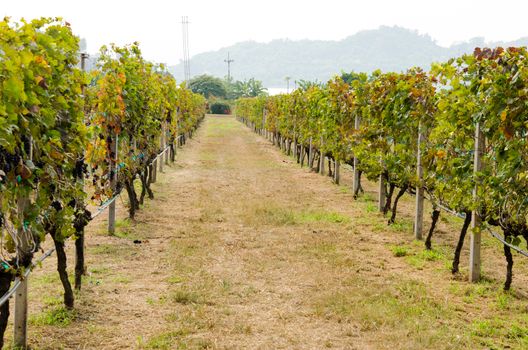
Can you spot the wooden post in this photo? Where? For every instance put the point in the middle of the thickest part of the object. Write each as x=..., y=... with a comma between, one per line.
x=154, y=170
x=310, y=154
x=162, y=144
x=113, y=185
x=321, y=159
x=294, y=146
x=418, y=217
x=381, y=191
x=355, y=184
x=167, y=152
x=336, y=172
x=476, y=220
x=21, y=302
x=20, y=320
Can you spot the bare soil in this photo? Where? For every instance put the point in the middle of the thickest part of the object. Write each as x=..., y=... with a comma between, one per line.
x=244, y=249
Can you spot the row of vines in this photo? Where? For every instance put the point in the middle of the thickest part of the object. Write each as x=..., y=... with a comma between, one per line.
x=379, y=123
x=71, y=140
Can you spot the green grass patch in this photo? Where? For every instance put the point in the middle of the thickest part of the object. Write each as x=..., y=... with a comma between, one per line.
x=400, y=250
x=121, y=279
x=402, y=225
x=98, y=270
x=55, y=316
x=271, y=215
x=175, y=279
x=104, y=249
x=52, y=300
x=322, y=216
x=186, y=297
x=164, y=341
x=371, y=208
x=400, y=305
x=124, y=229
x=366, y=197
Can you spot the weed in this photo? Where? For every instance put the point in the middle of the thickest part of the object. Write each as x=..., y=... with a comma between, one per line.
x=57, y=316
x=399, y=251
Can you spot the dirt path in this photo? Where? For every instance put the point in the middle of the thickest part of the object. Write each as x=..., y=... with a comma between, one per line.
x=243, y=249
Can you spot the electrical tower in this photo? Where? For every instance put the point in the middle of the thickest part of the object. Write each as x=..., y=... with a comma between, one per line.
x=228, y=61
x=186, y=57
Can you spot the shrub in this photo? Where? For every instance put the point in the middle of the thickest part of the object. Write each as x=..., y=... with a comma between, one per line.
x=220, y=107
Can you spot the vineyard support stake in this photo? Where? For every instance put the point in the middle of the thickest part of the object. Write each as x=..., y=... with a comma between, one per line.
x=167, y=152
x=79, y=243
x=113, y=185
x=418, y=217
x=162, y=146
x=321, y=159
x=381, y=193
x=21, y=303
x=355, y=184
x=476, y=221
x=310, y=154
x=336, y=172
x=154, y=170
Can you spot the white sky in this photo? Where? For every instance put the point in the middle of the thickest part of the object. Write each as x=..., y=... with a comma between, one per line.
x=219, y=23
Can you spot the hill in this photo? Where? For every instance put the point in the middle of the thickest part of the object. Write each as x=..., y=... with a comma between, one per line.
x=385, y=48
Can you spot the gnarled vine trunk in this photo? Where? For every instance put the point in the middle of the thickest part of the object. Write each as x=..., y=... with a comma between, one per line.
x=460, y=244
x=81, y=220
x=358, y=187
x=132, y=198
x=434, y=219
x=395, y=205
x=145, y=185
x=388, y=201
x=5, y=284
x=509, y=266
x=62, y=264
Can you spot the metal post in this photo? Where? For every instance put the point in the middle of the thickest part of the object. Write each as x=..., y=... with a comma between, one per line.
x=418, y=218
x=474, y=248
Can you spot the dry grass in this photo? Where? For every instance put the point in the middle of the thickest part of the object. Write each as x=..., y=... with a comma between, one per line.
x=242, y=249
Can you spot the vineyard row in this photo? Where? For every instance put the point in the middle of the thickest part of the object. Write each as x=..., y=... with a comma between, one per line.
x=70, y=140
x=455, y=134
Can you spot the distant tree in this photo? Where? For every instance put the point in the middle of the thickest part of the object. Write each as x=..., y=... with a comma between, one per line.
x=256, y=88
x=208, y=86
x=246, y=88
x=350, y=77
x=306, y=84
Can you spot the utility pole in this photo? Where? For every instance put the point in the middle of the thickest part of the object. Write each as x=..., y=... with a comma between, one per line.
x=287, y=85
x=228, y=61
x=186, y=59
